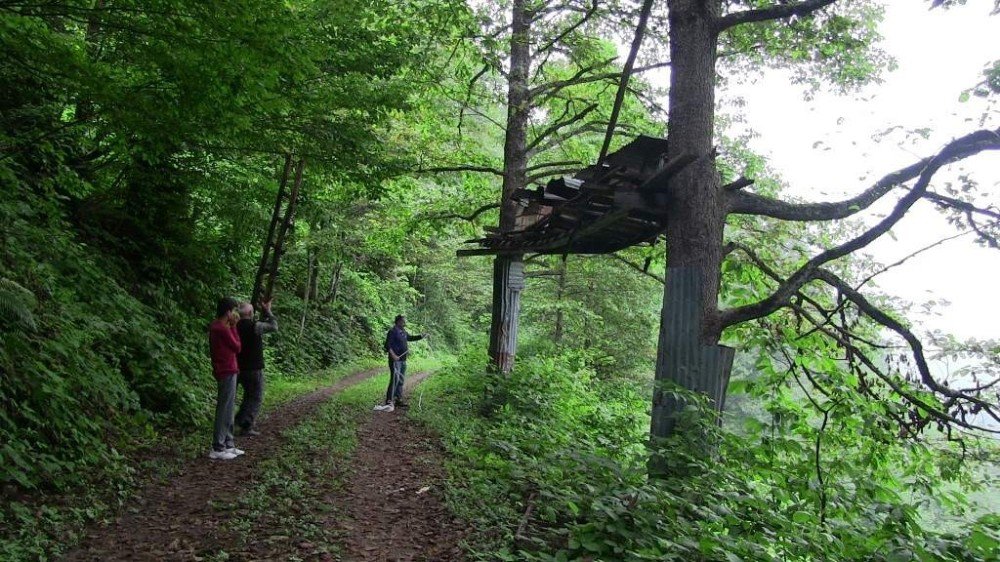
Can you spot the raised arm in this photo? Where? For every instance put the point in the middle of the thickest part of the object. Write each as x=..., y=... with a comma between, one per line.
x=268, y=322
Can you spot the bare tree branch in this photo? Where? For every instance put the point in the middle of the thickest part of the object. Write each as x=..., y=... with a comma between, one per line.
x=589, y=13
x=559, y=124
x=460, y=168
x=743, y=203
x=640, y=30
x=915, y=344
x=581, y=77
x=553, y=164
x=907, y=257
x=780, y=298
x=469, y=218
x=561, y=136
x=960, y=205
x=779, y=11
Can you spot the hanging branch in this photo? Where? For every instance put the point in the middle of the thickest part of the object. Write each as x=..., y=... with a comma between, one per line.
x=970, y=144
x=915, y=344
x=779, y=11
x=821, y=485
x=844, y=336
x=744, y=203
x=468, y=218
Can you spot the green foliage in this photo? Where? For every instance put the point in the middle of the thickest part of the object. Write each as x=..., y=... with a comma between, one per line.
x=573, y=307
x=837, y=45
x=554, y=468
x=17, y=304
x=138, y=152
x=293, y=487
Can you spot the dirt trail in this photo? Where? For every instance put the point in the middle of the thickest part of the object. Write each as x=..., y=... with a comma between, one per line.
x=395, y=503
x=391, y=508
x=175, y=520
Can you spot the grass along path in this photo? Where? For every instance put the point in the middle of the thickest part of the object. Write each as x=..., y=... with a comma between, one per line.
x=348, y=484
x=395, y=505
x=177, y=518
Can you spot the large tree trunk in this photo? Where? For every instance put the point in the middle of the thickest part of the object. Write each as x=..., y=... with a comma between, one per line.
x=508, y=271
x=688, y=354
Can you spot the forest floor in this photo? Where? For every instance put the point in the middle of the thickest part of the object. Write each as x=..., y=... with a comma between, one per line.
x=327, y=479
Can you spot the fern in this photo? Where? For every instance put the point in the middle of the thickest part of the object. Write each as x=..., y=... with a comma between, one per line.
x=17, y=304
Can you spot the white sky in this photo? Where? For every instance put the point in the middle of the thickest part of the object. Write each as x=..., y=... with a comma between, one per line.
x=939, y=53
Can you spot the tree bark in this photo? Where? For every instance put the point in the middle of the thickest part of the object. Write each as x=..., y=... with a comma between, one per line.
x=334, y=284
x=258, y=283
x=508, y=271
x=310, y=273
x=688, y=354
x=560, y=290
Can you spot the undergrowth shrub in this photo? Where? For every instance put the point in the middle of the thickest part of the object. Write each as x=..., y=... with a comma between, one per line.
x=95, y=368
x=552, y=467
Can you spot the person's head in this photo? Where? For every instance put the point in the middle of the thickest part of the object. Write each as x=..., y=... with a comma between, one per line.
x=400, y=321
x=225, y=307
x=246, y=310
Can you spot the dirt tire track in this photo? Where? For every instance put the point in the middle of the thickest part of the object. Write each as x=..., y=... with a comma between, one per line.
x=395, y=502
x=176, y=520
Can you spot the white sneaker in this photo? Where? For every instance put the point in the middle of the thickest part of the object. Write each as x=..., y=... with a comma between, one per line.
x=379, y=407
x=236, y=451
x=221, y=455
x=388, y=408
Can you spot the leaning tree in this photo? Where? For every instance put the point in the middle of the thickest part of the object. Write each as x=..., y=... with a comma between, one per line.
x=700, y=207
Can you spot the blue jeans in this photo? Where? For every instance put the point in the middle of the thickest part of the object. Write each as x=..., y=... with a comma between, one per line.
x=397, y=375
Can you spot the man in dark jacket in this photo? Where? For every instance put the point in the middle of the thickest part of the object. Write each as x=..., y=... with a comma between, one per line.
x=397, y=348
x=251, y=362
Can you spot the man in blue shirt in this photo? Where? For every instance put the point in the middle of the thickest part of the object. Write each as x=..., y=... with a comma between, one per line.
x=397, y=348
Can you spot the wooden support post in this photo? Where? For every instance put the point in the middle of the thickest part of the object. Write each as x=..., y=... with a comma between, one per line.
x=508, y=282
x=682, y=359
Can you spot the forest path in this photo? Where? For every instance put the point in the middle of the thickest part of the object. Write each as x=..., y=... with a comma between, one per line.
x=377, y=513
x=394, y=498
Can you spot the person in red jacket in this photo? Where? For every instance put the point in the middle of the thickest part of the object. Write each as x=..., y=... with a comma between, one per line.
x=224, y=345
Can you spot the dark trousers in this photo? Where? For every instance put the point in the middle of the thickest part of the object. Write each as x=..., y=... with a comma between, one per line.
x=397, y=376
x=253, y=394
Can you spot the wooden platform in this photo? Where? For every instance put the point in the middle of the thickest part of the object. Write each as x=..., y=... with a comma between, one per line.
x=599, y=210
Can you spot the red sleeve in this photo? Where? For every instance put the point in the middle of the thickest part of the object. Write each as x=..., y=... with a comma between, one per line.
x=233, y=341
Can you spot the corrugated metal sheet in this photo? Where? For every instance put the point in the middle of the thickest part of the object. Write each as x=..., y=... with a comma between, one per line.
x=684, y=360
